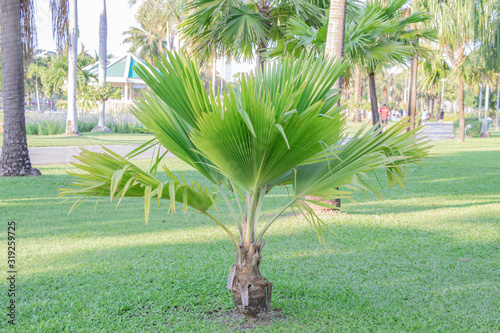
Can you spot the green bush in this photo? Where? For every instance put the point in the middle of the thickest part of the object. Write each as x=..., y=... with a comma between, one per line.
x=52, y=124
x=474, y=131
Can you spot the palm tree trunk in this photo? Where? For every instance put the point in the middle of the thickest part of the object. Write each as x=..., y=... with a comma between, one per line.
x=412, y=101
x=486, y=134
x=103, y=59
x=334, y=48
x=461, y=127
x=480, y=105
x=432, y=106
x=14, y=159
x=71, y=125
x=214, y=73
x=357, y=95
x=373, y=98
x=251, y=292
x=37, y=93
x=498, y=105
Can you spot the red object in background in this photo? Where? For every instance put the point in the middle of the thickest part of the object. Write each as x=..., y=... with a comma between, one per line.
x=384, y=112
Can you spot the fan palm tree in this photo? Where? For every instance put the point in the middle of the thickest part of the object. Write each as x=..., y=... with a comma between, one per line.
x=279, y=127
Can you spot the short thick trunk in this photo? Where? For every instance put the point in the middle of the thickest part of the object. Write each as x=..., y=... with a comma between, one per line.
x=251, y=292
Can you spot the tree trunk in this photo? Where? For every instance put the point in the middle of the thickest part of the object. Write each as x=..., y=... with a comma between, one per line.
x=438, y=107
x=71, y=125
x=391, y=88
x=373, y=98
x=486, y=102
x=498, y=105
x=480, y=105
x=334, y=48
x=214, y=73
x=432, y=107
x=251, y=292
x=461, y=127
x=103, y=60
x=14, y=160
x=428, y=103
x=412, y=100
x=357, y=95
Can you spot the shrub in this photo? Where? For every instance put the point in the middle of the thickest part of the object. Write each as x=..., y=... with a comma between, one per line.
x=475, y=129
x=55, y=123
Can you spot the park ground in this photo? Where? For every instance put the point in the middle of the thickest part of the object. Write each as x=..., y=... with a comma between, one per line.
x=424, y=259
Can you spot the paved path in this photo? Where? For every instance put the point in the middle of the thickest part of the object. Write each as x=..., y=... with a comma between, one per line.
x=61, y=155
x=438, y=132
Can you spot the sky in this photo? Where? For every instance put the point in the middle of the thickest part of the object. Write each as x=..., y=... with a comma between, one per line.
x=120, y=18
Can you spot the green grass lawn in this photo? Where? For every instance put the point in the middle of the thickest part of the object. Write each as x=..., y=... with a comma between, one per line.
x=425, y=259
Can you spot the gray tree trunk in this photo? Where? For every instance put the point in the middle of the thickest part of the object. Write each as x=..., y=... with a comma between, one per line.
x=498, y=105
x=461, y=127
x=103, y=61
x=480, y=105
x=71, y=121
x=334, y=48
x=412, y=100
x=357, y=94
x=214, y=73
x=373, y=98
x=14, y=159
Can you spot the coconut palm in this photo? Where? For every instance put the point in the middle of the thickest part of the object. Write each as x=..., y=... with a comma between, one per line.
x=278, y=127
x=15, y=38
x=240, y=27
x=433, y=69
x=376, y=34
x=157, y=20
x=458, y=38
x=18, y=40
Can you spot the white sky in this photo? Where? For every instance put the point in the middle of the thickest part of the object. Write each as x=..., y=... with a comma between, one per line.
x=120, y=18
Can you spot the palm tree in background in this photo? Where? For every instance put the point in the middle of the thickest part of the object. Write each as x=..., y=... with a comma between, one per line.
x=462, y=26
x=18, y=40
x=432, y=70
x=103, y=59
x=239, y=28
x=158, y=20
x=376, y=34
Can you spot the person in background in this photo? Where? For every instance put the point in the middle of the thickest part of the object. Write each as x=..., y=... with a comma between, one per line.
x=384, y=113
x=423, y=117
x=441, y=116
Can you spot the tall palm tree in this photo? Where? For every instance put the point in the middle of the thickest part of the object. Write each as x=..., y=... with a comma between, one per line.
x=458, y=39
x=143, y=43
x=433, y=69
x=15, y=160
x=71, y=120
x=19, y=39
x=278, y=127
x=376, y=34
x=103, y=59
x=334, y=48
